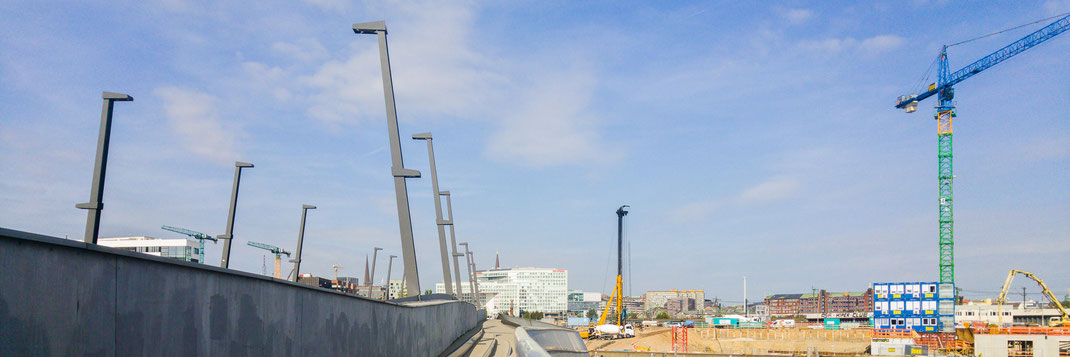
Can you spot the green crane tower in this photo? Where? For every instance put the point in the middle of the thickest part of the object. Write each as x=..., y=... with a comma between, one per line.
x=945, y=113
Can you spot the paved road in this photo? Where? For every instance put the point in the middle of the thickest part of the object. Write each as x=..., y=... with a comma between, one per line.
x=495, y=331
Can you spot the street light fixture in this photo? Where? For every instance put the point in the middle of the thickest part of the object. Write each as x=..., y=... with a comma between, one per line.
x=453, y=238
x=439, y=222
x=300, y=241
x=389, y=267
x=397, y=168
x=96, y=191
x=229, y=235
x=371, y=282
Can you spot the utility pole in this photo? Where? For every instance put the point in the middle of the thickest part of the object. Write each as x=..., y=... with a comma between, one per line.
x=96, y=191
x=1023, y=297
x=744, y=296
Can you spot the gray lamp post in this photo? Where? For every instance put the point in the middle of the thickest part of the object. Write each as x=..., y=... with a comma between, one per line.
x=475, y=279
x=473, y=284
x=439, y=222
x=459, y=291
x=397, y=168
x=300, y=241
x=229, y=235
x=371, y=280
x=96, y=191
x=453, y=239
x=389, y=267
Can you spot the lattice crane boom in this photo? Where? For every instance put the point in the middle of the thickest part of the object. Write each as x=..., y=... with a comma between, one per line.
x=945, y=112
x=200, y=237
x=278, y=255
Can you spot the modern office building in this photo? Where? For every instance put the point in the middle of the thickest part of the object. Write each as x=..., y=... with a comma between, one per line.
x=521, y=289
x=579, y=302
x=657, y=299
x=182, y=249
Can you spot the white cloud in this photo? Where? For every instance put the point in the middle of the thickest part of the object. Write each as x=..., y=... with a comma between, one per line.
x=692, y=212
x=1054, y=7
x=870, y=46
x=194, y=118
x=436, y=71
x=552, y=125
x=882, y=43
x=796, y=16
x=303, y=50
x=773, y=189
x=331, y=5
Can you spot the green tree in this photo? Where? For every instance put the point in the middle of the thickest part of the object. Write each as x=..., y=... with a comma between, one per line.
x=662, y=315
x=592, y=314
x=427, y=292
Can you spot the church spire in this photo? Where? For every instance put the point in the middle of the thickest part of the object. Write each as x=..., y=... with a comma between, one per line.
x=497, y=264
x=366, y=276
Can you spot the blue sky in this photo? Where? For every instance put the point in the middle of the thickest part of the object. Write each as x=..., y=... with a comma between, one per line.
x=751, y=139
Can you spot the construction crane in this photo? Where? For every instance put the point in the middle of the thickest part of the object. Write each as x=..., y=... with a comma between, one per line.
x=1062, y=320
x=618, y=329
x=336, y=269
x=278, y=256
x=200, y=237
x=945, y=112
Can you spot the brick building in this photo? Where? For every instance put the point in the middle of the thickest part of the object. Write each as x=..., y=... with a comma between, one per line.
x=822, y=302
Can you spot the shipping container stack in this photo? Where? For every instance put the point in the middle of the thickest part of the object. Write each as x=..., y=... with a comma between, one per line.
x=922, y=307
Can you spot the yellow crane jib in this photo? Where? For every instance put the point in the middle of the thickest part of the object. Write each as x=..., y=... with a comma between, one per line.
x=1062, y=320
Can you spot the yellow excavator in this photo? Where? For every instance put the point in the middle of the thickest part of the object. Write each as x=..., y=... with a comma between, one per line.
x=1063, y=320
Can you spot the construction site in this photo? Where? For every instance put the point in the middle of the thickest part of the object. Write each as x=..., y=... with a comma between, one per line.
x=906, y=318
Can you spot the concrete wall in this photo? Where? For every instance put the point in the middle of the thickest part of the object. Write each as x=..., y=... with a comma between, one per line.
x=62, y=298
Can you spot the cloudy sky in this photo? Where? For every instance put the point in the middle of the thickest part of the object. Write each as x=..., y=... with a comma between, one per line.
x=750, y=139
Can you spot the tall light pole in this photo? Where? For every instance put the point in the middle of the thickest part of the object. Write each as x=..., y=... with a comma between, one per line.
x=300, y=240
x=397, y=168
x=371, y=280
x=453, y=239
x=475, y=279
x=439, y=222
x=96, y=191
x=468, y=266
x=229, y=235
x=460, y=294
x=389, y=267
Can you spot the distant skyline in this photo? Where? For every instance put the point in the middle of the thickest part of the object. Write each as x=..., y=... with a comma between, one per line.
x=750, y=139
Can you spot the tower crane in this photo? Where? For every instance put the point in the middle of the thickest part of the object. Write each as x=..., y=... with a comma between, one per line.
x=278, y=256
x=336, y=269
x=200, y=237
x=945, y=112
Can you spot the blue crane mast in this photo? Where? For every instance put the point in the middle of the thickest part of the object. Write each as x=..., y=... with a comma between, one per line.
x=945, y=112
x=200, y=237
